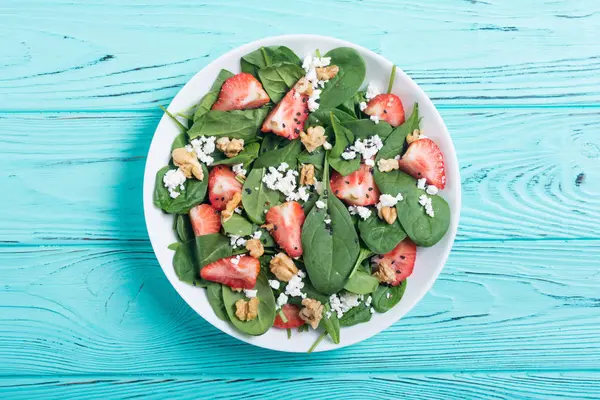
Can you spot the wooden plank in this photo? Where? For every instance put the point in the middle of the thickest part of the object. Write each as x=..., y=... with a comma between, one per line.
x=129, y=55
x=108, y=309
x=535, y=385
x=521, y=170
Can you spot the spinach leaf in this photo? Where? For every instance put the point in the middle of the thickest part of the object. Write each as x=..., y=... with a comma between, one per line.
x=265, y=56
x=247, y=155
x=322, y=117
x=266, y=307
x=179, y=142
x=331, y=324
x=364, y=128
x=356, y=315
x=183, y=228
x=288, y=153
x=194, y=193
x=277, y=79
x=381, y=302
x=240, y=124
x=185, y=264
x=330, y=250
x=395, y=142
x=256, y=201
x=266, y=239
x=361, y=282
x=174, y=246
x=348, y=107
x=348, y=80
x=343, y=138
x=378, y=235
x=313, y=293
x=212, y=247
x=237, y=225
x=214, y=293
x=316, y=158
x=211, y=97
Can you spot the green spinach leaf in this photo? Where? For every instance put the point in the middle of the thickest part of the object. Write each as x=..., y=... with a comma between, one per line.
x=265, y=56
x=214, y=293
x=396, y=141
x=322, y=117
x=266, y=307
x=380, y=300
x=212, y=247
x=194, y=193
x=211, y=97
x=256, y=201
x=364, y=128
x=277, y=79
x=356, y=315
x=348, y=80
x=331, y=324
x=343, y=138
x=246, y=156
x=348, y=107
x=180, y=141
x=185, y=264
x=240, y=124
x=378, y=235
x=183, y=228
x=361, y=282
x=238, y=225
x=288, y=153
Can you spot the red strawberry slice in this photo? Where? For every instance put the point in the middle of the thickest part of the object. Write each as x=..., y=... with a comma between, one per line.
x=424, y=159
x=388, y=107
x=241, y=275
x=357, y=188
x=287, y=220
x=241, y=92
x=287, y=118
x=205, y=220
x=222, y=185
x=292, y=313
x=402, y=258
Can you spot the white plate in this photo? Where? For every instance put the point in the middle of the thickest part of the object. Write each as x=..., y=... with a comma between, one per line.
x=430, y=261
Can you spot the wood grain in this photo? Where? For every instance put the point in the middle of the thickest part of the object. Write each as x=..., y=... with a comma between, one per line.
x=535, y=385
x=128, y=55
x=78, y=177
x=108, y=310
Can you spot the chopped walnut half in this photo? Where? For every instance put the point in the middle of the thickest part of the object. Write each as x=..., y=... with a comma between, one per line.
x=231, y=206
x=326, y=73
x=237, y=290
x=303, y=86
x=415, y=135
x=387, y=165
x=232, y=147
x=384, y=272
x=246, y=310
x=388, y=214
x=312, y=312
x=283, y=267
x=188, y=163
x=307, y=174
x=255, y=247
x=313, y=138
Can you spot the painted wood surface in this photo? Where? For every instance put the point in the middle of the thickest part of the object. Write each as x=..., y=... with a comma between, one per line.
x=85, y=311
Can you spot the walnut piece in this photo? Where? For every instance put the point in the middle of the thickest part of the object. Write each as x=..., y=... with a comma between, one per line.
x=283, y=267
x=312, y=312
x=231, y=206
x=387, y=165
x=246, y=310
x=414, y=136
x=188, y=163
x=255, y=247
x=326, y=73
x=232, y=147
x=303, y=86
x=384, y=272
x=313, y=138
x=307, y=174
x=388, y=214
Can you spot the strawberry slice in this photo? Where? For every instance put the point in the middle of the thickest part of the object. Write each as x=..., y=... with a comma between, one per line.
x=222, y=185
x=388, y=107
x=241, y=275
x=287, y=220
x=205, y=220
x=357, y=188
x=241, y=92
x=424, y=159
x=292, y=313
x=402, y=258
x=287, y=118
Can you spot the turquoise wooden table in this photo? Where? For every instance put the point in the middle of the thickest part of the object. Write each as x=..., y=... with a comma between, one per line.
x=85, y=310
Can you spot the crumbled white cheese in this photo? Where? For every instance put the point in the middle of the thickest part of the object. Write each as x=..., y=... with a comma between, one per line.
x=173, y=180
x=374, y=118
x=387, y=200
x=319, y=187
x=236, y=241
x=343, y=303
x=368, y=301
x=421, y=183
x=327, y=220
x=362, y=212
x=397, y=157
x=250, y=293
x=432, y=190
x=283, y=167
x=236, y=260
x=204, y=146
x=327, y=146
x=328, y=314
x=426, y=202
x=362, y=105
x=372, y=310
x=281, y=300
x=388, y=295
x=313, y=103
x=320, y=204
x=238, y=210
x=256, y=234
x=295, y=285
x=370, y=162
x=238, y=169
x=367, y=149
x=349, y=155
x=372, y=91
x=310, y=65
x=283, y=180
x=275, y=284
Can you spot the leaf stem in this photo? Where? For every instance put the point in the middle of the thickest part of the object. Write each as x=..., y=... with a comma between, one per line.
x=282, y=316
x=315, y=344
x=392, y=78
x=289, y=333
x=240, y=178
x=183, y=127
x=318, y=53
x=265, y=55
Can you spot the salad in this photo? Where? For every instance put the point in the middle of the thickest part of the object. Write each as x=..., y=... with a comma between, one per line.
x=300, y=194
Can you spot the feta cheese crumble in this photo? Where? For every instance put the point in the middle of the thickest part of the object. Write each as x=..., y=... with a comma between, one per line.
x=236, y=241
x=374, y=118
x=281, y=300
x=349, y=155
x=250, y=293
x=313, y=104
x=426, y=202
x=343, y=303
x=387, y=200
x=327, y=146
x=432, y=190
x=256, y=234
x=421, y=183
x=320, y=204
x=362, y=105
x=310, y=65
x=362, y=212
x=274, y=284
x=204, y=146
x=370, y=162
x=295, y=286
x=236, y=260
x=372, y=91
x=174, y=180
x=238, y=169
x=237, y=210
x=283, y=179
x=367, y=149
